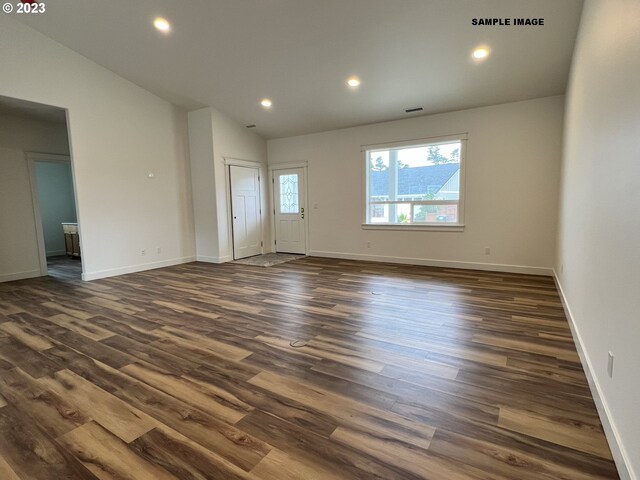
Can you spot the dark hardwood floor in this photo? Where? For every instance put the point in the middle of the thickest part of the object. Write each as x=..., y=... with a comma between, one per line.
x=398, y=372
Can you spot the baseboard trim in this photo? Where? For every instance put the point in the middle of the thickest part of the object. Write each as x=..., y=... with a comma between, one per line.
x=620, y=456
x=10, y=277
x=56, y=253
x=112, y=272
x=203, y=258
x=492, y=267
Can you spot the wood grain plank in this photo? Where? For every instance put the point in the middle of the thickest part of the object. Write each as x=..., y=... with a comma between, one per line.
x=6, y=472
x=278, y=465
x=53, y=412
x=579, y=436
x=185, y=458
x=26, y=335
x=118, y=417
x=108, y=457
x=215, y=347
x=509, y=462
x=528, y=346
x=16, y=354
x=192, y=393
x=378, y=422
x=82, y=327
x=34, y=455
x=62, y=308
x=225, y=440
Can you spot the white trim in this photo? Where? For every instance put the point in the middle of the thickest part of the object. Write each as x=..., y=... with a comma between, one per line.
x=10, y=277
x=37, y=217
x=620, y=456
x=491, y=267
x=418, y=142
x=288, y=165
x=223, y=259
x=453, y=227
x=31, y=158
x=112, y=272
x=242, y=163
x=48, y=157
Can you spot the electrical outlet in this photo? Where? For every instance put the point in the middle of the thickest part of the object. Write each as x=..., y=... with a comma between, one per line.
x=143, y=252
x=487, y=250
x=610, y=364
x=159, y=250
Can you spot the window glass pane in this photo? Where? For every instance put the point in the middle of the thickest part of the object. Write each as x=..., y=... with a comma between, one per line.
x=435, y=213
x=428, y=172
x=289, y=193
x=396, y=213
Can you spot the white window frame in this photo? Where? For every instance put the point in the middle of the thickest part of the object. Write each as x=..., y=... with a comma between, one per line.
x=429, y=226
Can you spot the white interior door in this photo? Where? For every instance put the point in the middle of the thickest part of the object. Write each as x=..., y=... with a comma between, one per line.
x=245, y=211
x=288, y=196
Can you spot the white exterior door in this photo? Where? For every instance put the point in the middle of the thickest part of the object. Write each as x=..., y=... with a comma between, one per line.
x=288, y=199
x=245, y=211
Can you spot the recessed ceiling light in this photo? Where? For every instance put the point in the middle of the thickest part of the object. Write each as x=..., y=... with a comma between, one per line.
x=162, y=24
x=266, y=103
x=353, y=82
x=480, y=53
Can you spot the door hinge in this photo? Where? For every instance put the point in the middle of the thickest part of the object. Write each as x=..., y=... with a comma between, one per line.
x=261, y=244
x=258, y=177
x=273, y=180
x=275, y=242
x=274, y=211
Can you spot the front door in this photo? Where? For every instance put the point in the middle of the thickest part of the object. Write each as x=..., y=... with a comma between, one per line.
x=245, y=210
x=288, y=191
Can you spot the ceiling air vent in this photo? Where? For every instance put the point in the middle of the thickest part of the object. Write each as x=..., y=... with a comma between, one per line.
x=415, y=109
x=251, y=126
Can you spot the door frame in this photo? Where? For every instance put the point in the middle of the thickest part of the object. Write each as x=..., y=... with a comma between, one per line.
x=236, y=162
x=305, y=198
x=31, y=158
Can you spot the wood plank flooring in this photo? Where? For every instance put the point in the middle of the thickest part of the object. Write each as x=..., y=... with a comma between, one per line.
x=187, y=372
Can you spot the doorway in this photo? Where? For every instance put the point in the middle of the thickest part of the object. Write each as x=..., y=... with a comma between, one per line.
x=245, y=211
x=37, y=192
x=289, y=200
x=53, y=195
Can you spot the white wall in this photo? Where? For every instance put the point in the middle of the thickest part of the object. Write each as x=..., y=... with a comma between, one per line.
x=18, y=240
x=203, y=184
x=599, y=236
x=213, y=138
x=119, y=133
x=57, y=203
x=512, y=176
x=233, y=141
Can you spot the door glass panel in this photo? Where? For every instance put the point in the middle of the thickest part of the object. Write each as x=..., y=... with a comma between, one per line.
x=289, y=193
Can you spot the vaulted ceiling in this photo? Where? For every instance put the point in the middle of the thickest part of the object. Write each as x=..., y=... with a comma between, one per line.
x=231, y=53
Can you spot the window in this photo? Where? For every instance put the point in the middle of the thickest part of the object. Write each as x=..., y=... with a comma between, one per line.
x=289, y=193
x=415, y=185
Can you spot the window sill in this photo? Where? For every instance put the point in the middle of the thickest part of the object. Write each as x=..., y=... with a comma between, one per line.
x=457, y=227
